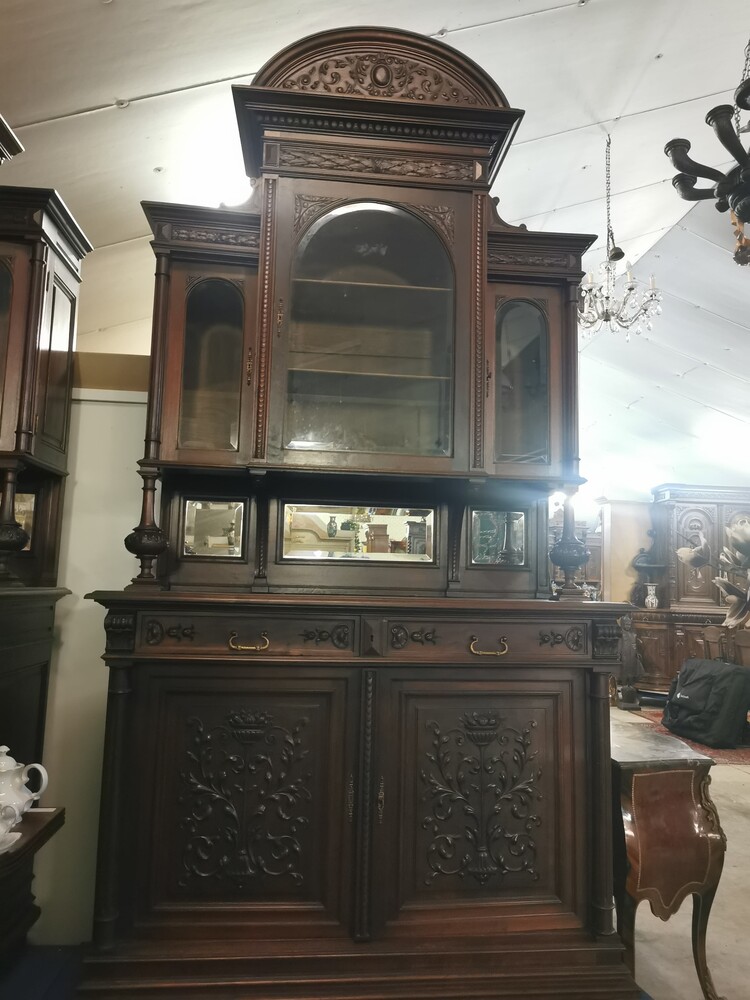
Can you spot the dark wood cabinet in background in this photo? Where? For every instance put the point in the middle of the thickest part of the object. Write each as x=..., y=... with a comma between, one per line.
x=685, y=516
x=350, y=748
x=41, y=249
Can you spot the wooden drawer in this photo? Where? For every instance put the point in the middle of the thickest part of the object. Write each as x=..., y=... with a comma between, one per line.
x=249, y=635
x=476, y=641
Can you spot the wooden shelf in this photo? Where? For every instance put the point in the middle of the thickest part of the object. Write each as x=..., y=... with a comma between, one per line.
x=36, y=828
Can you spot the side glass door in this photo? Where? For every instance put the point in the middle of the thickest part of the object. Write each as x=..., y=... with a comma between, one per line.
x=524, y=412
x=209, y=368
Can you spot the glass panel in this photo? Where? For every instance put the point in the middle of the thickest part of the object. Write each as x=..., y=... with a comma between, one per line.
x=214, y=528
x=212, y=367
x=58, y=341
x=23, y=510
x=498, y=538
x=333, y=531
x=6, y=289
x=371, y=336
x=522, y=389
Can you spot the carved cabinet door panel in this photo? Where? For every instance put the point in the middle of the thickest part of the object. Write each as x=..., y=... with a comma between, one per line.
x=696, y=528
x=654, y=648
x=480, y=787
x=245, y=800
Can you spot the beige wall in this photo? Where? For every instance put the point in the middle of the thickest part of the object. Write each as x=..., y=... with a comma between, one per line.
x=624, y=531
x=101, y=506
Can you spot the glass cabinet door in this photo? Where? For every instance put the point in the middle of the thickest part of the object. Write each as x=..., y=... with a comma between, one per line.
x=55, y=372
x=209, y=366
x=370, y=336
x=523, y=416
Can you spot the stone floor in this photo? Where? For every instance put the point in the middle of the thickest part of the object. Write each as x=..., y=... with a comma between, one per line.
x=664, y=960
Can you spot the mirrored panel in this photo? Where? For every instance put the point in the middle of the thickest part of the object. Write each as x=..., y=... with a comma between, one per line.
x=334, y=531
x=498, y=538
x=214, y=528
x=23, y=510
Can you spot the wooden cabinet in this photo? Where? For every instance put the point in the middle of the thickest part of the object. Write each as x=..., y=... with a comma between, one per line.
x=330, y=800
x=369, y=759
x=685, y=517
x=41, y=248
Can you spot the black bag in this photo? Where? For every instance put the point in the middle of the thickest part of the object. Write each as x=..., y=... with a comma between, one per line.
x=708, y=702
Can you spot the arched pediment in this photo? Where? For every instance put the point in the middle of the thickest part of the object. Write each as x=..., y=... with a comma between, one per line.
x=384, y=64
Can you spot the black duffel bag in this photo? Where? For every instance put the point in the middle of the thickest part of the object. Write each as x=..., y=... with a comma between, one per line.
x=708, y=702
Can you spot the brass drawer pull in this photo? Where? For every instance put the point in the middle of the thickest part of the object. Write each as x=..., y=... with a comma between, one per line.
x=503, y=640
x=264, y=643
x=381, y=800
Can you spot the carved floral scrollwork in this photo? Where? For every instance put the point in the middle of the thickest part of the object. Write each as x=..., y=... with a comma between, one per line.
x=551, y=638
x=574, y=639
x=339, y=636
x=246, y=794
x=401, y=636
x=379, y=75
x=482, y=787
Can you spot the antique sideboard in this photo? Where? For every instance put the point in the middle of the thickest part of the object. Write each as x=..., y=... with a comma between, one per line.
x=352, y=746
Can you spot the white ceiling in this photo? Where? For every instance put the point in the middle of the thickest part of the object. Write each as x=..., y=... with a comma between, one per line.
x=672, y=405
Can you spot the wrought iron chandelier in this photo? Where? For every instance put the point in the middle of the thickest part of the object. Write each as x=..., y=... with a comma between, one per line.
x=599, y=305
x=731, y=190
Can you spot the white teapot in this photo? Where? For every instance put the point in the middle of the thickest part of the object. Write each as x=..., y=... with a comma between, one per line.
x=13, y=778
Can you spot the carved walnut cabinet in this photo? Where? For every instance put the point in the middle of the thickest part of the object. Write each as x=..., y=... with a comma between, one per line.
x=352, y=748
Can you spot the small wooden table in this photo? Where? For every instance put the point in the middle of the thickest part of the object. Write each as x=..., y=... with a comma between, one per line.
x=18, y=909
x=668, y=842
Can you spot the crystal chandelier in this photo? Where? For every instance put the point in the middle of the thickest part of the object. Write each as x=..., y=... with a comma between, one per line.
x=599, y=305
x=731, y=190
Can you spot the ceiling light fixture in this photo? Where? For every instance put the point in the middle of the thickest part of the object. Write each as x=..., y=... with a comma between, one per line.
x=731, y=190
x=598, y=304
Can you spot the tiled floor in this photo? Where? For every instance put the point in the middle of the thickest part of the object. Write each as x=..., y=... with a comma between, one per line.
x=664, y=959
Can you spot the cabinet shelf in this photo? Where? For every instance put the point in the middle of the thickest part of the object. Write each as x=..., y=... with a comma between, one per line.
x=368, y=375
x=395, y=306
x=372, y=284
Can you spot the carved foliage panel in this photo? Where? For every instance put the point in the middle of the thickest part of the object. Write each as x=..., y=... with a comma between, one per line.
x=695, y=528
x=246, y=795
x=479, y=812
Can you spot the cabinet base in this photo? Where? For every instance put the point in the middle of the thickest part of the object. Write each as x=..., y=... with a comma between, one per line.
x=440, y=971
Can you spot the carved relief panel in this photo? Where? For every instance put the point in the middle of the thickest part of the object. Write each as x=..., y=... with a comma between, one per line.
x=692, y=582
x=467, y=806
x=250, y=793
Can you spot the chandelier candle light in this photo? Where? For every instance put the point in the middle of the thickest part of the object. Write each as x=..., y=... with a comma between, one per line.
x=599, y=305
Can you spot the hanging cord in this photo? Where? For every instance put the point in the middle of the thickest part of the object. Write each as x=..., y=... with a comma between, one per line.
x=745, y=76
x=608, y=192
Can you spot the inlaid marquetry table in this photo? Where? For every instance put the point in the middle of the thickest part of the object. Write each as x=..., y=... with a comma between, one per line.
x=668, y=841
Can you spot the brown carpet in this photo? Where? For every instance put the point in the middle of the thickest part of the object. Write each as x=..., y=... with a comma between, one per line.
x=739, y=756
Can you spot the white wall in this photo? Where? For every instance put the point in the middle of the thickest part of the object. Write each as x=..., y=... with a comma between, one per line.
x=102, y=505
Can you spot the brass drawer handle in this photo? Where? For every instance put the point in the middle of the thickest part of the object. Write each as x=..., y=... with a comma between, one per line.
x=264, y=644
x=503, y=640
x=381, y=800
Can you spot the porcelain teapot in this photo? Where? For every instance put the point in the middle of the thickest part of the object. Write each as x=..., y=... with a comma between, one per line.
x=13, y=778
